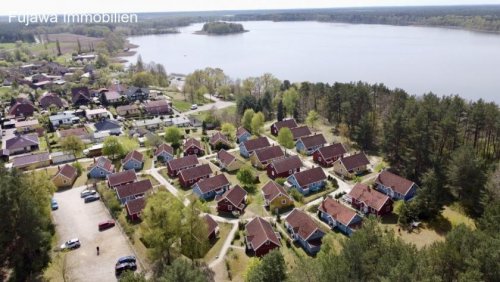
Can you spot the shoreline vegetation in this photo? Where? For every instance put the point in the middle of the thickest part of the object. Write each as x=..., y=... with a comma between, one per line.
x=221, y=28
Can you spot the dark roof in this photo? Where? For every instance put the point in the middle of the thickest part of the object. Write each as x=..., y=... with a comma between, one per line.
x=103, y=163
x=337, y=210
x=177, y=164
x=259, y=231
x=396, y=182
x=370, y=197
x=211, y=224
x=22, y=107
x=218, y=137
x=78, y=93
x=309, y=176
x=132, y=90
x=236, y=196
x=135, y=188
x=79, y=131
x=30, y=159
x=106, y=124
x=290, y=123
x=212, y=183
x=164, y=148
x=134, y=155
x=313, y=140
x=286, y=164
x=268, y=153
x=302, y=224
x=67, y=171
x=354, y=161
x=135, y=206
x=195, y=172
x=21, y=141
x=49, y=99
x=159, y=106
x=192, y=142
x=272, y=189
x=122, y=177
x=257, y=143
x=240, y=131
x=225, y=157
x=333, y=150
x=300, y=131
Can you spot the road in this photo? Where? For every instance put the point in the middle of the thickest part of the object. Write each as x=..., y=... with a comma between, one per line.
x=217, y=105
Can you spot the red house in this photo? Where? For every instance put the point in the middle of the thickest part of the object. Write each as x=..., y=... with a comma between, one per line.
x=275, y=127
x=284, y=167
x=134, y=208
x=300, y=131
x=261, y=238
x=193, y=147
x=369, y=201
x=22, y=107
x=232, y=200
x=212, y=227
x=176, y=165
x=327, y=155
x=190, y=176
x=121, y=178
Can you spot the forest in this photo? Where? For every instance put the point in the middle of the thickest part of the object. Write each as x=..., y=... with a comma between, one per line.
x=222, y=28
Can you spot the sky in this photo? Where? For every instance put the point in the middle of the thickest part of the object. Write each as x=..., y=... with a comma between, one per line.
x=135, y=6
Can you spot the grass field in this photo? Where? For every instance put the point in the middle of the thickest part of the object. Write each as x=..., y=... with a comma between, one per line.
x=224, y=229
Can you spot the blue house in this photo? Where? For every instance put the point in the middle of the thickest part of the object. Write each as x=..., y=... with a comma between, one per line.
x=310, y=144
x=242, y=134
x=101, y=168
x=134, y=160
x=304, y=230
x=164, y=153
x=338, y=216
x=208, y=188
x=247, y=147
x=395, y=186
x=307, y=181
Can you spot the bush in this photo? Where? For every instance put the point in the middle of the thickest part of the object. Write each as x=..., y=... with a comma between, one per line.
x=296, y=195
x=338, y=195
x=334, y=182
x=78, y=167
x=237, y=235
x=281, y=181
x=313, y=208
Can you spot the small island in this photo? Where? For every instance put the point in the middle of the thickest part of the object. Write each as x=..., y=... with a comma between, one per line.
x=221, y=28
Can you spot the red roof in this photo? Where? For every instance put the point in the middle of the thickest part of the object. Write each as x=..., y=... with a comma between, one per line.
x=164, y=148
x=313, y=140
x=195, y=172
x=236, y=196
x=135, y=206
x=134, y=155
x=286, y=164
x=160, y=106
x=183, y=162
x=49, y=99
x=67, y=171
x=272, y=190
x=225, y=157
x=355, y=161
x=192, y=142
x=240, y=131
x=310, y=176
x=337, y=210
x=103, y=163
x=290, y=123
x=212, y=183
x=211, y=224
x=300, y=131
x=397, y=183
x=257, y=143
x=133, y=189
x=259, y=231
x=302, y=224
x=332, y=151
x=268, y=153
x=370, y=197
x=218, y=137
x=122, y=177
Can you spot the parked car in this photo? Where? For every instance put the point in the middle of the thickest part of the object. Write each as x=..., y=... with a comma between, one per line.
x=53, y=204
x=126, y=259
x=194, y=106
x=122, y=267
x=91, y=198
x=106, y=224
x=87, y=192
x=71, y=244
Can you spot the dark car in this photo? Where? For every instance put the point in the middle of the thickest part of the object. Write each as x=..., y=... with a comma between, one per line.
x=53, y=205
x=91, y=198
x=126, y=259
x=122, y=267
x=106, y=224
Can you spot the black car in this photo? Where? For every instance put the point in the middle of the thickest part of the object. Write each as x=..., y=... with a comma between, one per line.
x=91, y=198
x=126, y=259
x=126, y=266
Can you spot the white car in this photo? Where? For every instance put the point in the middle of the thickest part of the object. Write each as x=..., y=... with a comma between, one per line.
x=87, y=192
x=194, y=106
x=71, y=244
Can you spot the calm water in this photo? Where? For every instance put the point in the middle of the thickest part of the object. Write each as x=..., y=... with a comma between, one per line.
x=416, y=59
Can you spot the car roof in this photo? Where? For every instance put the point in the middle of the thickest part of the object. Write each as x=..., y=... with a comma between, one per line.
x=73, y=240
x=126, y=257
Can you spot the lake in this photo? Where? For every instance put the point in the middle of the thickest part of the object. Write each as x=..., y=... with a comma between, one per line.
x=417, y=59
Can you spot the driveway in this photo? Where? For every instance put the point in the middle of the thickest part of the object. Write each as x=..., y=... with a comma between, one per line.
x=74, y=218
x=217, y=105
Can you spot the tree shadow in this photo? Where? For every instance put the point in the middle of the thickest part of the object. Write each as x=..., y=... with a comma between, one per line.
x=440, y=224
x=389, y=219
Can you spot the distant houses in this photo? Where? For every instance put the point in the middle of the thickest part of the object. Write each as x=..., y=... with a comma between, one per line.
x=208, y=188
x=309, y=144
x=327, y=155
x=176, y=165
x=351, y=166
x=283, y=168
x=395, y=186
x=247, y=147
x=262, y=157
x=338, y=216
x=307, y=181
x=190, y=176
x=289, y=123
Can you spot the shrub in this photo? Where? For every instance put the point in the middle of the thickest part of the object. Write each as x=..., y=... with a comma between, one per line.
x=281, y=181
x=78, y=167
x=296, y=195
x=338, y=195
x=334, y=182
x=237, y=235
x=313, y=208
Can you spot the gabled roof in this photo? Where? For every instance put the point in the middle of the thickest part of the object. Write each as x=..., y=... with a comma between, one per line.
x=104, y=163
x=212, y=183
x=21, y=141
x=112, y=95
x=290, y=123
x=122, y=177
x=300, y=131
x=195, y=172
x=179, y=163
x=337, y=210
x=272, y=190
x=354, y=161
x=164, y=148
x=67, y=171
x=134, y=155
x=397, y=183
x=225, y=157
x=302, y=224
x=240, y=131
x=218, y=137
x=259, y=231
x=313, y=140
x=23, y=107
x=157, y=106
x=78, y=93
x=236, y=196
x=107, y=124
x=192, y=142
x=257, y=143
x=370, y=197
x=135, y=206
x=30, y=159
x=135, y=188
x=49, y=99
x=310, y=176
x=332, y=151
x=268, y=153
x=286, y=164
x=211, y=224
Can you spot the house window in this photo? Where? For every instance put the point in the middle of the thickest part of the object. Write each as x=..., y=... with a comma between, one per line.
x=229, y=208
x=102, y=172
x=64, y=181
x=290, y=171
x=319, y=159
x=283, y=201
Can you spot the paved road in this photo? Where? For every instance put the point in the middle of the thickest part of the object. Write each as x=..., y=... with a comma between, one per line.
x=74, y=218
x=219, y=104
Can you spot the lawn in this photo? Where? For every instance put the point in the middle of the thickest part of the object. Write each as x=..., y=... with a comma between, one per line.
x=237, y=261
x=181, y=106
x=224, y=229
x=148, y=161
x=456, y=217
x=311, y=197
x=83, y=179
x=4, y=91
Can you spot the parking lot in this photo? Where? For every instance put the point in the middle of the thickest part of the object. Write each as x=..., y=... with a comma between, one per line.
x=73, y=219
